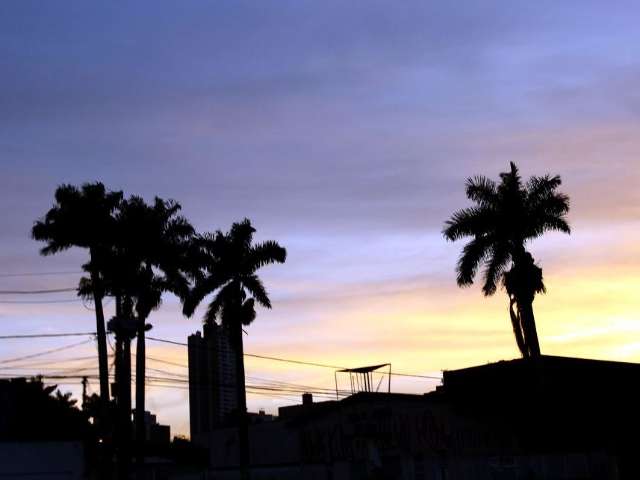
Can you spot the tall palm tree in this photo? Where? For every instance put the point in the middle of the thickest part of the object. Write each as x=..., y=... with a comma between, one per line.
x=84, y=217
x=505, y=217
x=154, y=238
x=145, y=258
x=119, y=277
x=229, y=265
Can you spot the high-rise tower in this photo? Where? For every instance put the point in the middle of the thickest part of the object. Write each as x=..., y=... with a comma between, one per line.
x=212, y=380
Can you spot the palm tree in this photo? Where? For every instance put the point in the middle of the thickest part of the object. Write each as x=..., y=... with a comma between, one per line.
x=84, y=218
x=154, y=239
x=229, y=265
x=124, y=277
x=118, y=277
x=505, y=217
x=145, y=258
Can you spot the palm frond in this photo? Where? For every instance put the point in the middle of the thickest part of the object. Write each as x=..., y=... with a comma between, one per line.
x=85, y=288
x=469, y=222
x=473, y=253
x=248, y=312
x=510, y=189
x=266, y=253
x=256, y=288
x=226, y=304
x=481, y=190
x=496, y=263
x=542, y=186
x=211, y=314
x=552, y=204
x=547, y=223
x=241, y=233
x=207, y=286
x=547, y=209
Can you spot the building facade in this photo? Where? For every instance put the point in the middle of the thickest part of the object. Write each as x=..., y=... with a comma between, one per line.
x=547, y=418
x=212, y=380
x=155, y=434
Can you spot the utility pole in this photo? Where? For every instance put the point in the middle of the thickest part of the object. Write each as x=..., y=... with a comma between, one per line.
x=85, y=382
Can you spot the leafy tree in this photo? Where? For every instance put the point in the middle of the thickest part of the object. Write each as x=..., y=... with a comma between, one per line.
x=83, y=217
x=32, y=411
x=229, y=262
x=505, y=217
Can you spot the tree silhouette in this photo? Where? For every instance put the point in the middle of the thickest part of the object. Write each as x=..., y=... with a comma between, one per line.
x=146, y=258
x=32, y=411
x=116, y=278
x=154, y=239
x=504, y=218
x=84, y=218
x=229, y=262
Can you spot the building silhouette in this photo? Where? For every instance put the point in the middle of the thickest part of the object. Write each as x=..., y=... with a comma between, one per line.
x=212, y=380
x=155, y=433
x=535, y=418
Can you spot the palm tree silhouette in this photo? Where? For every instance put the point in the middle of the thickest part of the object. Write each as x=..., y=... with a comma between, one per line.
x=145, y=258
x=118, y=277
x=229, y=262
x=155, y=239
x=504, y=218
x=84, y=218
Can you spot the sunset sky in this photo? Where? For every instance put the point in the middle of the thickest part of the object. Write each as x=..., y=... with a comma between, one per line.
x=344, y=130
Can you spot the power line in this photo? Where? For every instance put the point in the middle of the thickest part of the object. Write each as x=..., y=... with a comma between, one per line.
x=299, y=362
x=252, y=355
x=38, y=302
x=48, y=363
x=182, y=344
x=267, y=384
x=429, y=377
x=46, y=352
x=154, y=381
x=167, y=362
x=38, y=274
x=37, y=292
x=47, y=335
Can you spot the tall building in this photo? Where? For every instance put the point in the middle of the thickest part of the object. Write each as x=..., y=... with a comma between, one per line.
x=154, y=433
x=212, y=380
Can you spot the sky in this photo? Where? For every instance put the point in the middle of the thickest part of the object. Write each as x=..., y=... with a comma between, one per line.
x=345, y=131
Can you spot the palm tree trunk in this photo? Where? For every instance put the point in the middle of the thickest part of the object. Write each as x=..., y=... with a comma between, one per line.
x=103, y=366
x=125, y=389
x=529, y=328
x=105, y=429
x=117, y=398
x=517, y=329
x=243, y=420
x=140, y=392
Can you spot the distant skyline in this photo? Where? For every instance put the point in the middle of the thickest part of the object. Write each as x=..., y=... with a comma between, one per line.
x=344, y=130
